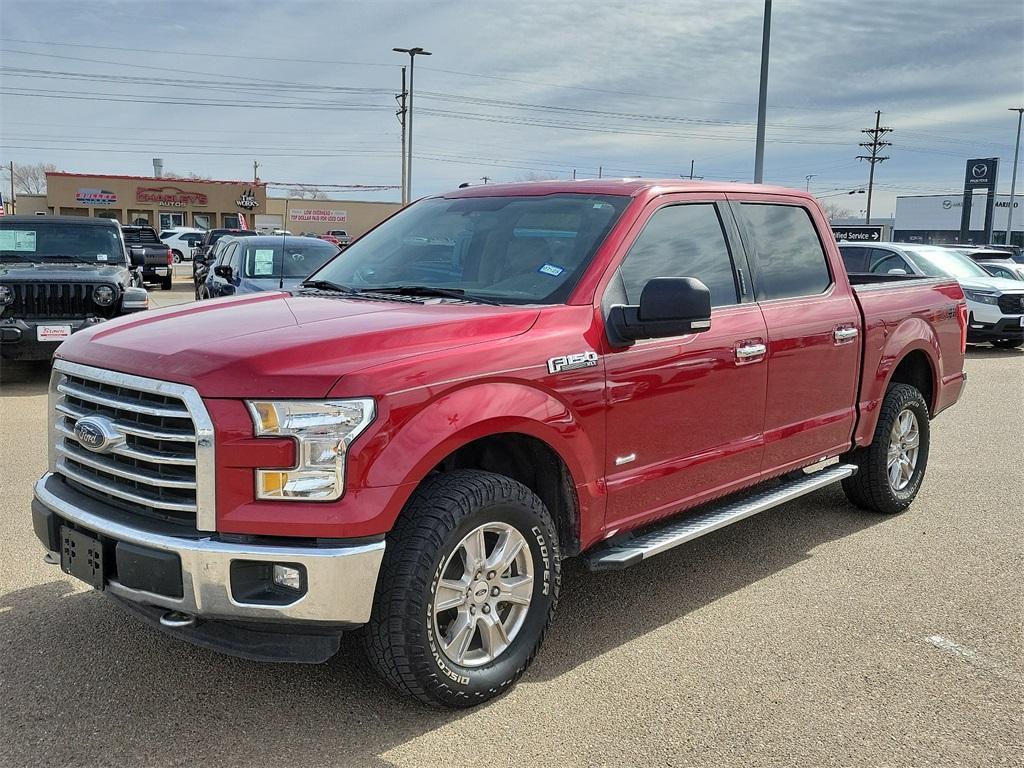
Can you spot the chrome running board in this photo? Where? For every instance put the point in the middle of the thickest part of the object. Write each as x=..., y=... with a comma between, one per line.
x=631, y=550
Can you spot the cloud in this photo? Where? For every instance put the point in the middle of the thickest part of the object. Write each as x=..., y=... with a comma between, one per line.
x=943, y=74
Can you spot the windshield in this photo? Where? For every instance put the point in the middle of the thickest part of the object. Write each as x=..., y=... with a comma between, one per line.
x=945, y=262
x=290, y=260
x=59, y=241
x=516, y=250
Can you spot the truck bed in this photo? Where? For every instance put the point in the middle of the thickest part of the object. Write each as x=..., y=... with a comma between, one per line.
x=901, y=313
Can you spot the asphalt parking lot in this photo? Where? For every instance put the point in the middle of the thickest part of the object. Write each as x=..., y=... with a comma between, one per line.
x=813, y=635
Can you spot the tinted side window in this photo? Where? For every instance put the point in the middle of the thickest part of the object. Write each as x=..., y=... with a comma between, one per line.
x=790, y=258
x=882, y=261
x=681, y=241
x=854, y=257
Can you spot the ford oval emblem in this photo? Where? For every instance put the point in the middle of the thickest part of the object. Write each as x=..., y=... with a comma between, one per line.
x=97, y=434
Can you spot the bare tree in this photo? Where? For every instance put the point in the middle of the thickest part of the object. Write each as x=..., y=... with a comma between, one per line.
x=190, y=176
x=835, y=211
x=307, y=193
x=30, y=179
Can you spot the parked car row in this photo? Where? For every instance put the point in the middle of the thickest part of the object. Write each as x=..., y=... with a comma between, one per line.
x=995, y=303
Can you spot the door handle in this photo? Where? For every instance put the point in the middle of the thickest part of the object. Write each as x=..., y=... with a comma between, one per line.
x=748, y=351
x=844, y=334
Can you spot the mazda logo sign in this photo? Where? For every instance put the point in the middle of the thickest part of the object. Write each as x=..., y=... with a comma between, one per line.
x=97, y=434
x=980, y=170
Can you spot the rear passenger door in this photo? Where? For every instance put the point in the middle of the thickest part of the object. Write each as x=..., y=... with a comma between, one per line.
x=684, y=413
x=813, y=327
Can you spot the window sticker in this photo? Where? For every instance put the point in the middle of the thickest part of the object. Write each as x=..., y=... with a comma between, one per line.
x=551, y=269
x=101, y=257
x=18, y=240
x=263, y=262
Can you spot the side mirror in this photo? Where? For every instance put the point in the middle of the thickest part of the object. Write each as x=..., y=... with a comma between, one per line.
x=669, y=306
x=222, y=270
x=137, y=256
x=897, y=271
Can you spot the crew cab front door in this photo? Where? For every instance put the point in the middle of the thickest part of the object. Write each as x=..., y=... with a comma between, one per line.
x=685, y=413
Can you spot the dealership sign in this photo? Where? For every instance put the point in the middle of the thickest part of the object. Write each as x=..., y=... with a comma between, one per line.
x=855, y=234
x=96, y=196
x=247, y=200
x=318, y=214
x=169, y=196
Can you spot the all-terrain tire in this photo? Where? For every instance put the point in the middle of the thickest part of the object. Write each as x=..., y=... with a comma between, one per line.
x=402, y=639
x=871, y=488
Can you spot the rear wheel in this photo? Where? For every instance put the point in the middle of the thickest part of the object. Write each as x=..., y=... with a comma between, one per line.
x=166, y=283
x=1008, y=343
x=178, y=258
x=891, y=469
x=467, y=588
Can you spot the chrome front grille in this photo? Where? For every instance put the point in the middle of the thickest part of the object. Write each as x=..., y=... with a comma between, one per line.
x=157, y=458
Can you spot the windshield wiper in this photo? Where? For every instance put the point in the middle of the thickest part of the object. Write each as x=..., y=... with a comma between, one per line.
x=429, y=290
x=327, y=285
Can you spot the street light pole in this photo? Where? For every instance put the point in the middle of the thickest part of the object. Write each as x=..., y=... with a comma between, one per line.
x=762, y=98
x=413, y=53
x=808, y=177
x=1013, y=179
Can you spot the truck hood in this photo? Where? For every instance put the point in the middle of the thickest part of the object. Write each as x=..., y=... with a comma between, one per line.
x=57, y=272
x=278, y=345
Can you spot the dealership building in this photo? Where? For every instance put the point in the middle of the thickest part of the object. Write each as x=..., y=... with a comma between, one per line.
x=936, y=219
x=164, y=202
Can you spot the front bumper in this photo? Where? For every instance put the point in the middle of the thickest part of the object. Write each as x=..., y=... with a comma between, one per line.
x=19, y=338
x=339, y=580
x=1005, y=328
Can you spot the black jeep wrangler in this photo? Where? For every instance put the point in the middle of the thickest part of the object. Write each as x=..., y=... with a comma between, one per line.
x=59, y=274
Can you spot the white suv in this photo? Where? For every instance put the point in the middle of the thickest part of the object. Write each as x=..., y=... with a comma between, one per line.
x=996, y=304
x=181, y=241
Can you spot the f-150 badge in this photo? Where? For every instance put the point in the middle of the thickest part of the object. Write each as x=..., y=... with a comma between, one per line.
x=572, y=362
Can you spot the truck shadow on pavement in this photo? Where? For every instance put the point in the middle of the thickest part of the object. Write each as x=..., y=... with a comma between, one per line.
x=84, y=682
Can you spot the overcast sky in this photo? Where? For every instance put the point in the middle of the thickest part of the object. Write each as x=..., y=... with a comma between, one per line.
x=513, y=90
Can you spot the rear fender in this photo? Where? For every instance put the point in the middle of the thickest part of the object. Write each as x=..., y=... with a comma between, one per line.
x=910, y=335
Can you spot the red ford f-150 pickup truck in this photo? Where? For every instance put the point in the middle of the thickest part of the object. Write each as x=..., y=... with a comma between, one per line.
x=489, y=382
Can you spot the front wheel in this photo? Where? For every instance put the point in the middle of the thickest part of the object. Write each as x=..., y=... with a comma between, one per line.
x=466, y=591
x=891, y=469
x=1008, y=343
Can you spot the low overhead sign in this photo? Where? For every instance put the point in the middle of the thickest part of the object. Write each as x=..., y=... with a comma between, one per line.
x=854, y=234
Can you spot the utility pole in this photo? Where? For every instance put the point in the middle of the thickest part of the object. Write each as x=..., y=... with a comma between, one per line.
x=574, y=174
x=600, y=171
x=485, y=179
x=12, y=187
x=1013, y=178
x=808, y=178
x=413, y=53
x=762, y=97
x=401, y=97
x=876, y=145
x=255, y=177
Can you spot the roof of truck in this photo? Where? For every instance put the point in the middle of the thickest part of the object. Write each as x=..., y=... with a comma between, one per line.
x=84, y=220
x=629, y=186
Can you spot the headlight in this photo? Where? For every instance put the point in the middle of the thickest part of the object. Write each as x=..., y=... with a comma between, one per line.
x=103, y=295
x=6, y=296
x=322, y=432
x=981, y=297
